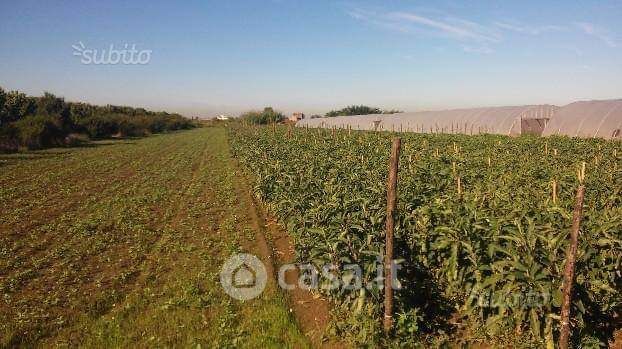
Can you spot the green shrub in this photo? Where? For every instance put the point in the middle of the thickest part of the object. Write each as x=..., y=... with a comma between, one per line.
x=100, y=126
x=39, y=122
x=178, y=122
x=8, y=139
x=267, y=116
x=131, y=126
x=40, y=131
x=354, y=110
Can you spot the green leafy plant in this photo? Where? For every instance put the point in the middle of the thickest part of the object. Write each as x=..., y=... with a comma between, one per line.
x=491, y=253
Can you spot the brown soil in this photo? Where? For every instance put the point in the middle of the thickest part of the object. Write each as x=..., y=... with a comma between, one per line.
x=312, y=312
x=617, y=340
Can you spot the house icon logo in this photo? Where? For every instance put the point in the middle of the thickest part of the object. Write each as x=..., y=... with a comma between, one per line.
x=243, y=276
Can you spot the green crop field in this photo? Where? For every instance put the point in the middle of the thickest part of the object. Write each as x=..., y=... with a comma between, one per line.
x=481, y=242
x=120, y=243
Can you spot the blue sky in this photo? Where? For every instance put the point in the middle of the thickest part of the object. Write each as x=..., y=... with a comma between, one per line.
x=229, y=56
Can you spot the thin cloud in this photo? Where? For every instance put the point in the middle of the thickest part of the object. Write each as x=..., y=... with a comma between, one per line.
x=474, y=37
x=597, y=32
x=458, y=28
x=527, y=29
x=377, y=19
x=485, y=50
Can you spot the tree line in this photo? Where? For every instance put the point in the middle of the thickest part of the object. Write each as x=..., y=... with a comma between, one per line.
x=266, y=116
x=359, y=110
x=49, y=121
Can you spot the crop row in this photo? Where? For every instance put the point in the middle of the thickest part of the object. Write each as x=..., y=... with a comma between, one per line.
x=481, y=239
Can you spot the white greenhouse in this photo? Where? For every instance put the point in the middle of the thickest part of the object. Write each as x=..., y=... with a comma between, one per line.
x=499, y=120
x=601, y=119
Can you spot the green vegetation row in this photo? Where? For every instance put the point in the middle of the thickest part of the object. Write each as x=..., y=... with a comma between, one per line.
x=120, y=244
x=482, y=261
x=48, y=121
x=359, y=110
x=268, y=115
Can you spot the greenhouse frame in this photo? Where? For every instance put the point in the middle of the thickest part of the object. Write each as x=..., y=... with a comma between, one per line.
x=580, y=119
x=596, y=119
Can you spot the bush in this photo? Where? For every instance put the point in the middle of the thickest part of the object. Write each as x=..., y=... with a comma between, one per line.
x=354, y=110
x=38, y=122
x=178, y=122
x=98, y=127
x=131, y=126
x=360, y=110
x=8, y=139
x=267, y=116
x=40, y=131
x=103, y=126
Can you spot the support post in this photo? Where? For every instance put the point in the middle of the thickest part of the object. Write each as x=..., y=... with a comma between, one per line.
x=390, y=225
x=571, y=255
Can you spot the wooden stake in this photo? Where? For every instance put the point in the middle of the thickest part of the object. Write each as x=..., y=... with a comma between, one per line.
x=459, y=183
x=388, y=257
x=554, y=185
x=546, y=148
x=489, y=161
x=581, y=172
x=571, y=255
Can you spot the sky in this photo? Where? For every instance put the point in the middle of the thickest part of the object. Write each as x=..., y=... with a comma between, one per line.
x=211, y=57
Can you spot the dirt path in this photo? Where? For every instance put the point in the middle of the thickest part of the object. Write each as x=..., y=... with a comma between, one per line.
x=312, y=312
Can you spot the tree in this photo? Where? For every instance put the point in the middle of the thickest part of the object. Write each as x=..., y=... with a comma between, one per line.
x=17, y=105
x=40, y=131
x=354, y=110
x=3, y=112
x=80, y=111
x=46, y=121
x=267, y=116
x=50, y=105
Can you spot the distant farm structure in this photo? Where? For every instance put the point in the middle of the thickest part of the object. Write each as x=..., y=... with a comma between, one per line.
x=296, y=117
x=590, y=119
